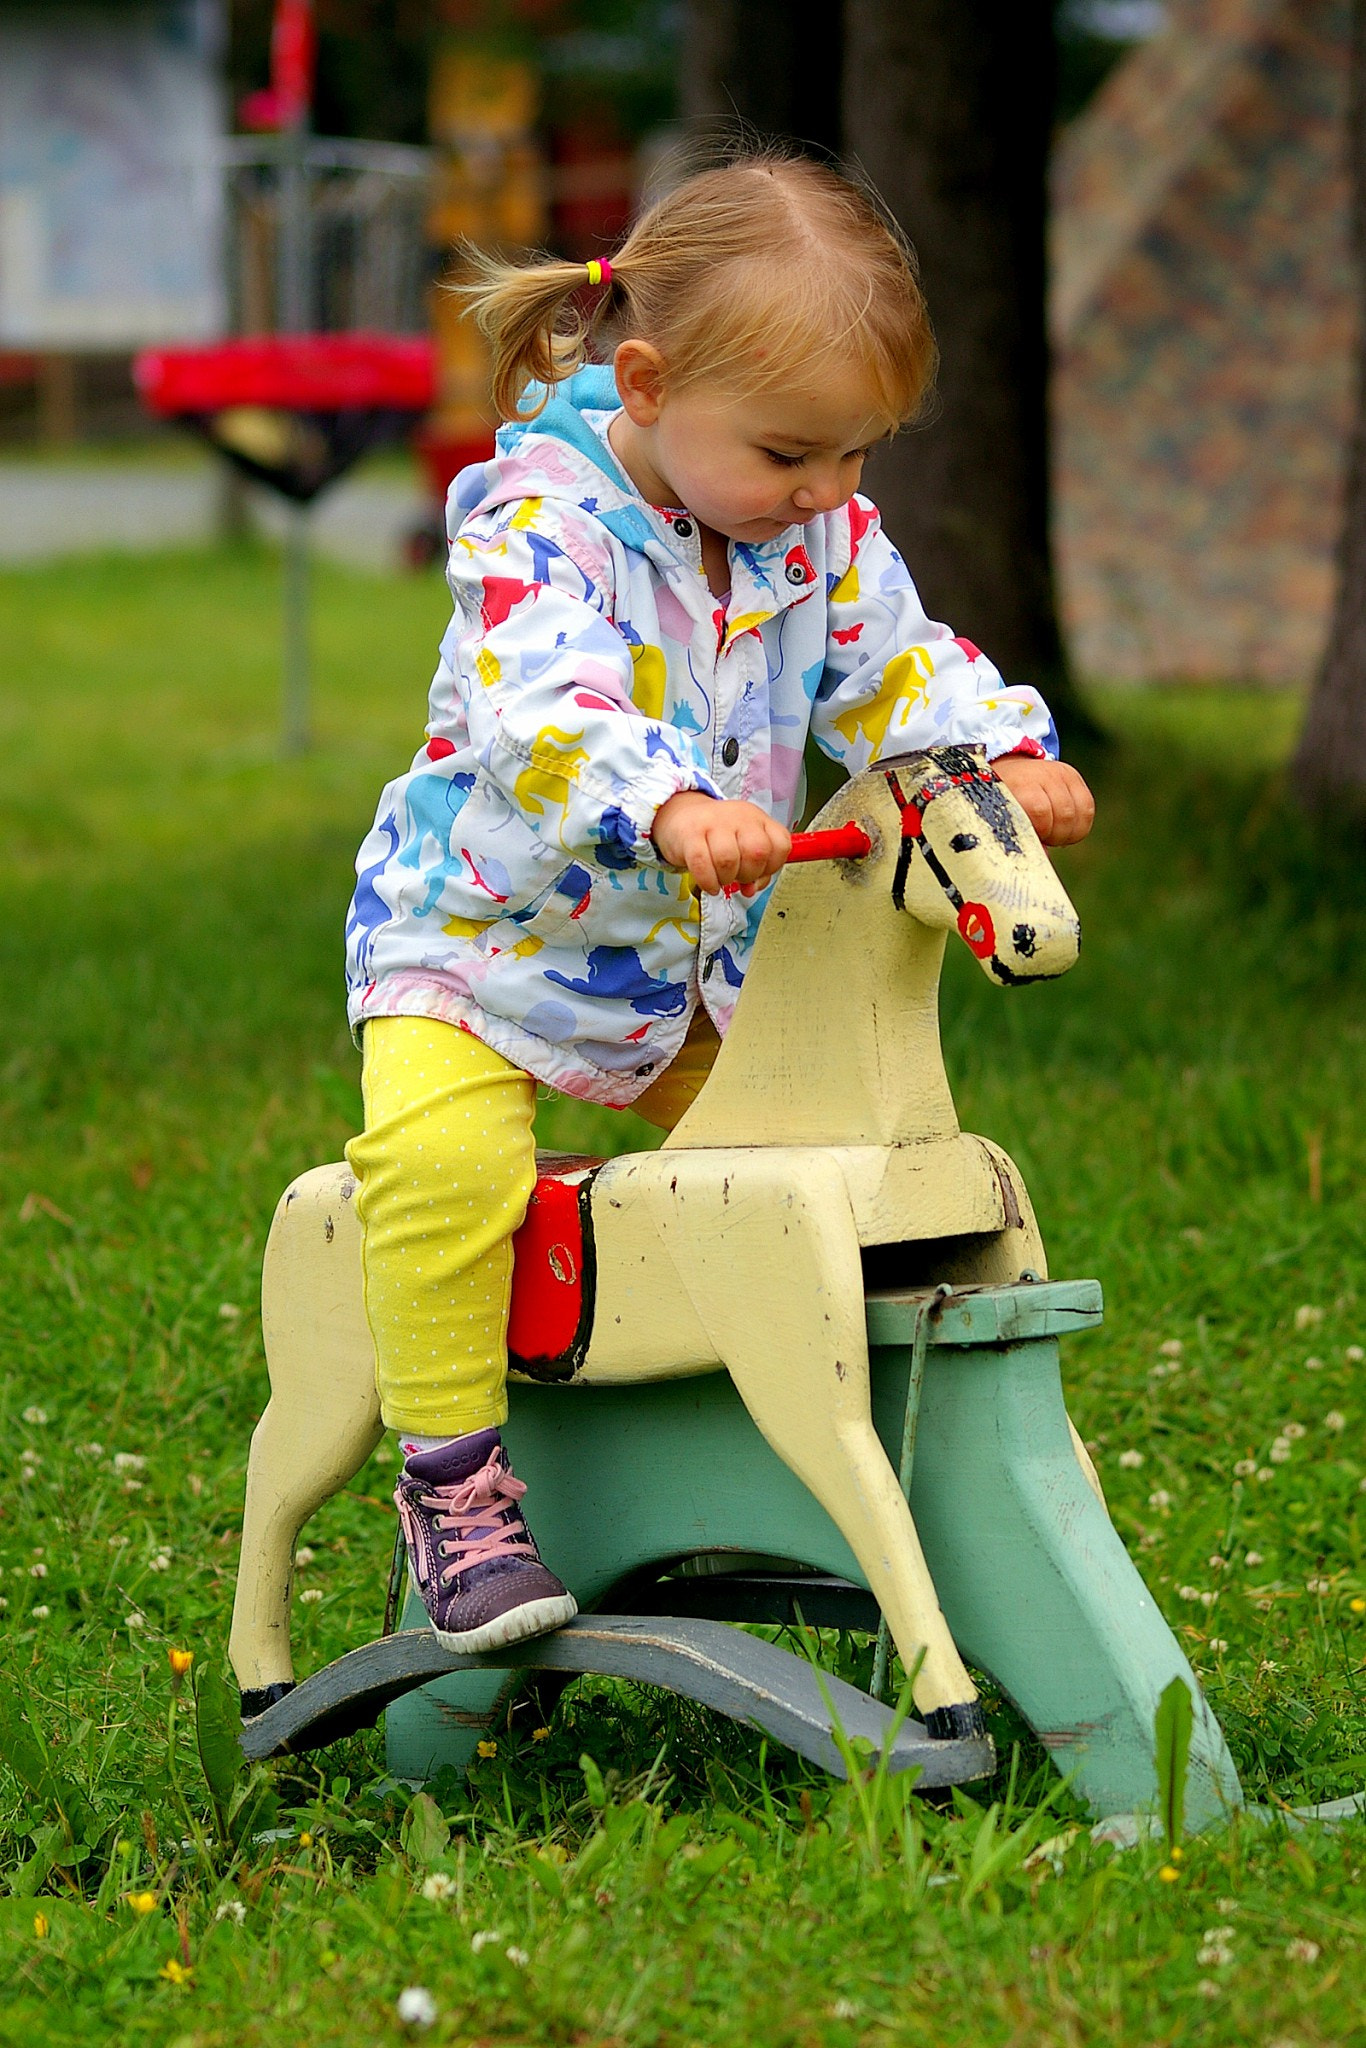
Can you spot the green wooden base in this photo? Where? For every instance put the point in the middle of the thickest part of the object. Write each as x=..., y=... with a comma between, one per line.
x=1036, y=1586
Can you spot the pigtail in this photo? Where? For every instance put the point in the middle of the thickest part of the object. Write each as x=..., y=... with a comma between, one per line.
x=534, y=327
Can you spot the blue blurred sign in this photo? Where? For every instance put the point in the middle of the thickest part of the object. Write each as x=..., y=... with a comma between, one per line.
x=111, y=175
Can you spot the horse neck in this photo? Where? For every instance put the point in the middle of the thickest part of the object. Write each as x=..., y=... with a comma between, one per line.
x=835, y=1040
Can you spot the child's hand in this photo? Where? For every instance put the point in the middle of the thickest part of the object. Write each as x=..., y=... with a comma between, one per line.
x=720, y=844
x=1052, y=796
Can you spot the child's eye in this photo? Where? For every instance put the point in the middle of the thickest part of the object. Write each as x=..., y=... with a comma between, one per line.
x=785, y=461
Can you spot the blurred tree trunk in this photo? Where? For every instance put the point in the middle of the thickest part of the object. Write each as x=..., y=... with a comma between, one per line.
x=772, y=64
x=1330, y=764
x=948, y=107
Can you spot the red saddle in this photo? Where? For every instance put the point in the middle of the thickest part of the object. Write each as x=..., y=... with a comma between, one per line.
x=553, y=1270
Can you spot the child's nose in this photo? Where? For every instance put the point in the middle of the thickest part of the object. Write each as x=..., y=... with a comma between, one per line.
x=820, y=494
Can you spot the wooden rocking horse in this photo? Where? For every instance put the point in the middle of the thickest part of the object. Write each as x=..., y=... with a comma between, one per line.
x=800, y=1362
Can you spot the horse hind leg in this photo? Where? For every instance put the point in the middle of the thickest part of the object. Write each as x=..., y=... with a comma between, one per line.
x=766, y=1245
x=322, y=1420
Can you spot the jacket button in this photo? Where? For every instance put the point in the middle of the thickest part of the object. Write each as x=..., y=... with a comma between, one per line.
x=683, y=528
x=730, y=752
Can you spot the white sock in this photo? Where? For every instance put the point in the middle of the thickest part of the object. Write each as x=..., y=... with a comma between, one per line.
x=408, y=1444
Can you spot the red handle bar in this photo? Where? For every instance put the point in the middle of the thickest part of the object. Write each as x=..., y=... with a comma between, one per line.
x=846, y=842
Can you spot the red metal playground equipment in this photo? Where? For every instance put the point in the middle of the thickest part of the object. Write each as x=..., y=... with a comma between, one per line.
x=294, y=412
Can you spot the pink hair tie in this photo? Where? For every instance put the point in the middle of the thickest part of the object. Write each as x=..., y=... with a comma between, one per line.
x=599, y=273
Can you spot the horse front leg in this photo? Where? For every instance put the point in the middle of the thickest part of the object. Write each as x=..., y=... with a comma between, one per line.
x=322, y=1420
x=766, y=1245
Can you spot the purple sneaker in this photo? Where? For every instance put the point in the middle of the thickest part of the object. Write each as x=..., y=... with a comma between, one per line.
x=471, y=1556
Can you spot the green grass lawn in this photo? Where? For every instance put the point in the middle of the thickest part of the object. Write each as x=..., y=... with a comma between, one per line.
x=1188, y=1109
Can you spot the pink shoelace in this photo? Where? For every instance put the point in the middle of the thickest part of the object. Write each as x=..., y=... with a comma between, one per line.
x=477, y=1502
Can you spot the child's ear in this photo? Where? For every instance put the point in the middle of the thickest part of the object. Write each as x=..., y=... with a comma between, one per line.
x=639, y=370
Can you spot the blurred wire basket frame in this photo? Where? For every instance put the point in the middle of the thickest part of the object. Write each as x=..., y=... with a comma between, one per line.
x=339, y=229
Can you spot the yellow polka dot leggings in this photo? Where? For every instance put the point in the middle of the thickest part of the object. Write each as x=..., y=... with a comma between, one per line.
x=446, y=1167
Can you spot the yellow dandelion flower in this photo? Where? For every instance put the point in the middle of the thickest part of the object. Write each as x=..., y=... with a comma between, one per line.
x=142, y=1902
x=41, y=1924
x=305, y=1841
x=180, y=1661
x=175, y=1972
x=487, y=1750
x=1358, y=1606
x=1169, y=1873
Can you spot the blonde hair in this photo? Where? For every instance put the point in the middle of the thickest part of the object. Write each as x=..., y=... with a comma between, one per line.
x=743, y=274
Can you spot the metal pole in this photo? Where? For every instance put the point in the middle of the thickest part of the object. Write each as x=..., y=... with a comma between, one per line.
x=293, y=267
x=297, y=736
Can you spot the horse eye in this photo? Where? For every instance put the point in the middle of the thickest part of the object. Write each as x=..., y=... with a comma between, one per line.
x=963, y=842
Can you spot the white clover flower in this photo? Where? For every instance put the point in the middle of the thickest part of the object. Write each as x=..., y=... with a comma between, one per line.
x=1130, y=1460
x=1206, y=1987
x=1217, y=1644
x=438, y=1886
x=1253, y=1558
x=1313, y=1365
x=1161, y=1500
x=518, y=1957
x=132, y=1486
x=1264, y=1472
x=303, y=1556
x=845, y=2009
x=40, y=1613
x=1217, y=1563
x=484, y=1938
x=129, y=1461
x=91, y=1450
x=1208, y=1599
x=29, y=1460
x=35, y=1415
x=118, y=1542
x=416, y=2007
x=231, y=1909
x=1245, y=1468
x=160, y=1563
x=136, y=1619
x=1318, y=1585
x=37, y=1571
x=1302, y=1951
x=1292, y=1431
x=310, y=1594
x=1279, y=1453
x=228, y=1311
x=1188, y=1592
x=1216, y=1947
x=1171, y=1347
x=1335, y=1420
x=1308, y=1317
x=1354, y=1354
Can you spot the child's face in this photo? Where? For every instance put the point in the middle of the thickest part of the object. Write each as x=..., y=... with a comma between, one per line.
x=747, y=467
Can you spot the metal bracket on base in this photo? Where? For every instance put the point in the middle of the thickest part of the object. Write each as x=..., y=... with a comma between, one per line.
x=739, y=1675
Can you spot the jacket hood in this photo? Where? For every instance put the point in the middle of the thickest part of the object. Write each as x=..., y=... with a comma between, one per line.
x=562, y=454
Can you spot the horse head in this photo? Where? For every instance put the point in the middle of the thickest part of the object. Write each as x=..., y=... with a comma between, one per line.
x=970, y=861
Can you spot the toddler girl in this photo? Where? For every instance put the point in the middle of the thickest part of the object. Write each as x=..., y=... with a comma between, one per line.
x=664, y=581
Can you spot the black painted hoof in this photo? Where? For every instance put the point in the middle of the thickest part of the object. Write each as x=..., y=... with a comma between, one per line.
x=257, y=1698
x=965, y=1723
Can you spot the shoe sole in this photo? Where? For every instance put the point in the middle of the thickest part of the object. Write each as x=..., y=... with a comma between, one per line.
x=536, y=1618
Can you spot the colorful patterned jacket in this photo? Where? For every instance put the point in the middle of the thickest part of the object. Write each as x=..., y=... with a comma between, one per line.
x=509, y=883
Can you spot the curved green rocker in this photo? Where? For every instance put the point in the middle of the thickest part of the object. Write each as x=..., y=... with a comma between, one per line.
x=801, y=1362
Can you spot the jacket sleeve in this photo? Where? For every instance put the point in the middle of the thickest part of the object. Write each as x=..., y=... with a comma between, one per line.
x=546, y=681
x=896, y=681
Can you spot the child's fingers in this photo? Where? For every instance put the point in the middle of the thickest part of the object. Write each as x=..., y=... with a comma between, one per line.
x=761, y=851
x=701, y=865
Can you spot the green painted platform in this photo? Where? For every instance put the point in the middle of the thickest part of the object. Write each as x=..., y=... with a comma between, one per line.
x=1038, y=1589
